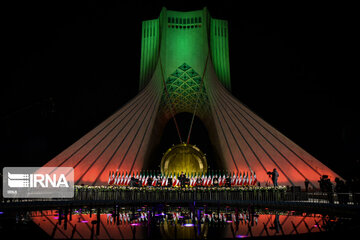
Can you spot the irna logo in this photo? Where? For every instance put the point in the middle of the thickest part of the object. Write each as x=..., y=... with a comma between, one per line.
x=36, y=180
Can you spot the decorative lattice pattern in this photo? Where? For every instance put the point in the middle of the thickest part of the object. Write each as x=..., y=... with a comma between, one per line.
x=183, y=86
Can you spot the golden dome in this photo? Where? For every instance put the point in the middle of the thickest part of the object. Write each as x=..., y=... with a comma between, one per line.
x=185, y=158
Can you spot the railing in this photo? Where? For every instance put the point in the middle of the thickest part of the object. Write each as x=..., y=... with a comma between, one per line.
x=179, y=195
x=153, y=194
x=218, y=195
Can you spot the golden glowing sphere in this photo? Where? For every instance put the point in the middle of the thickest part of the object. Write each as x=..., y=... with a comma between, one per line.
x=185, y=158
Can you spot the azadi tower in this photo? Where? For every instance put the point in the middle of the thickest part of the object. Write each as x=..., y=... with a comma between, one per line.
x=185, y=68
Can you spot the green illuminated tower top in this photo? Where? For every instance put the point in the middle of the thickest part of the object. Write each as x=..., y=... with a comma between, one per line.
x=184, y=38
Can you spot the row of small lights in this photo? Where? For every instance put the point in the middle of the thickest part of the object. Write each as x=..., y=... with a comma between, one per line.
x=180, y=26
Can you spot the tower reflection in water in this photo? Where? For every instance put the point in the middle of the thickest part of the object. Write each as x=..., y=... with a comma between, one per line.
x=176, y=222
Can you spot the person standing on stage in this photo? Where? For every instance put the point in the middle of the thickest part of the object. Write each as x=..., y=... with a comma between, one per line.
x=182, y=179
x=274, y=177
x=307, y=185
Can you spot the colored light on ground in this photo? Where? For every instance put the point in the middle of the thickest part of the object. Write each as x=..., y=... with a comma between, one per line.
x=159, y=214
x=229, y=221
x=241, y=236
x=84, y=221
x=188, y=225
x=135, y=224
x=56, y=217
x=1, y=212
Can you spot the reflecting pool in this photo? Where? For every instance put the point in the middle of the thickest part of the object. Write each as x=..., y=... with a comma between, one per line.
x=175, y=222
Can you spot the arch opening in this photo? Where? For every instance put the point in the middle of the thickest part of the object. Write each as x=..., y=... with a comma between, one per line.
x=199, y=138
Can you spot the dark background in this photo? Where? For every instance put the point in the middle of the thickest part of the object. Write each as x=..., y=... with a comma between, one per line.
x=68, y=66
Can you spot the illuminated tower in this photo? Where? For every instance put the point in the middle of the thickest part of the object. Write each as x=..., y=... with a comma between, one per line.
x=185, y=68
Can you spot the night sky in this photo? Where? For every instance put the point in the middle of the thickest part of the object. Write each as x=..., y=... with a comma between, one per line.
x=68, y=66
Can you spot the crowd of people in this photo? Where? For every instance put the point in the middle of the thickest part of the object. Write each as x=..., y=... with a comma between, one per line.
x=183, y=181
x=341, y=188
x=213, y=178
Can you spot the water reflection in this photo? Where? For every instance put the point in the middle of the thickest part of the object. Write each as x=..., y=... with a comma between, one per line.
x=166, y=222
